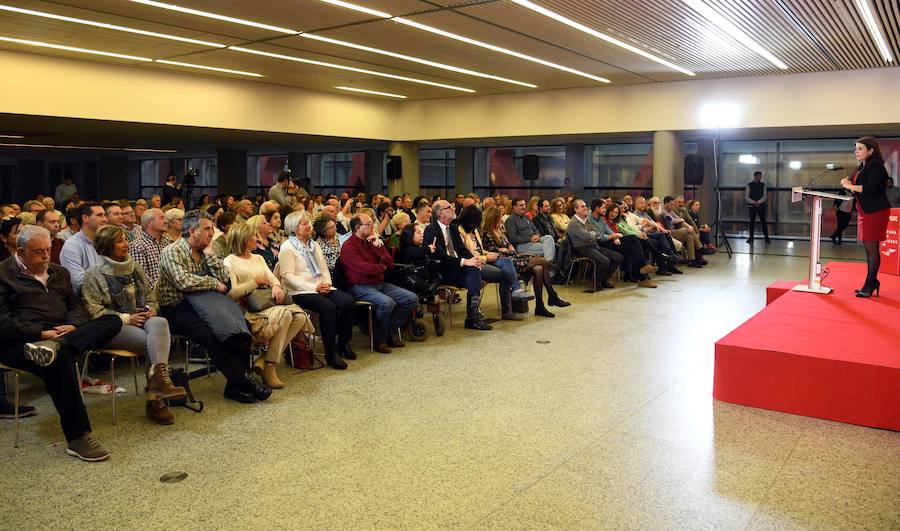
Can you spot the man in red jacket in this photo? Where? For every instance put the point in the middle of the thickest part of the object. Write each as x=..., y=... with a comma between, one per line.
x=364, y=260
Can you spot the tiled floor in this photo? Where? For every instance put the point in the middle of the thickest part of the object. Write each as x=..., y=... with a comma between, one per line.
x=610, y=425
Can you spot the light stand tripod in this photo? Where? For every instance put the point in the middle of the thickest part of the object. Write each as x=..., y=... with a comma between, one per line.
x=720, y=231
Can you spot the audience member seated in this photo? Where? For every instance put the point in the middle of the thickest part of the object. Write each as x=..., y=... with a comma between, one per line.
x=44, y=327
x=526, y=264
x=635, y=267
x=679, y=207
x=275, y=326
x=9, y=231
x=682, y=232
x=186, y=268
x=522, y=233
x=147, y=248
x=469, y=227
x=559, y=217
x=174, y=219
x=326, y=235
x=130, y=221
x=642, y=217
x=49, y=219
x=627, y=223
x=364, y=260
x=266, y=246
x=244, y=210
x=423, y=215
x=306, y=278
x=73, y=224
x=398, y=223
x=585, y=242
x=693, y=209
x=543, y=223
x=220, y=246
x=269, y=210
x=78, y=254
x=118, y=286
x=458, y=267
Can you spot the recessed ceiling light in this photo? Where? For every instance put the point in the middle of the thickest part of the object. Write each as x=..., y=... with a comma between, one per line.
x=869, y=17
x=361, y=9
x=733, y=31
x=349, y=68
x=415, y=59
x=461, y=38
x=216, y=16
x=94, y=148
x=204, y=67
x=109, y=26
x=74, y=49
x=602, y=36
x=11, y=136
x=502, y=50
x=375, y=92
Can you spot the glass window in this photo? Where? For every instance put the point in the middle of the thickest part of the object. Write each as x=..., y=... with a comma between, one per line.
x=437, y=172
x=337, y=172
x=501, y=169
x=262, y=172
x=153, y=176
x=620, y=169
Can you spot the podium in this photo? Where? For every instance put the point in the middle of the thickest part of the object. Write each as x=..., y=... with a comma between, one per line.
x=814, y=284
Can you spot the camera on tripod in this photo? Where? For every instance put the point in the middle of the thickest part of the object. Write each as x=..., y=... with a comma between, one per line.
x=190, y=178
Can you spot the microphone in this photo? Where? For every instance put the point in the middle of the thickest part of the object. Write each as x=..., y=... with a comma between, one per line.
x=828, y=168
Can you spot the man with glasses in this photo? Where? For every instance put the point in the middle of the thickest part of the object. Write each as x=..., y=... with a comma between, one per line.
x=364, y=260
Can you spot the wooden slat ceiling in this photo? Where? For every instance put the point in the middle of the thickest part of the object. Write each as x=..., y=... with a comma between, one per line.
x=808, y=35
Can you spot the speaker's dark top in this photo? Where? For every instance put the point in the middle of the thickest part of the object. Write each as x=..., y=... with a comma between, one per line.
x=873, y=178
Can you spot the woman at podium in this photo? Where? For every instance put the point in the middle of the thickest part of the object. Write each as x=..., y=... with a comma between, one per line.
x=868, y=184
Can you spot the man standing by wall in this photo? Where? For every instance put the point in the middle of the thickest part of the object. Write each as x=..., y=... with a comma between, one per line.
x=756, y=194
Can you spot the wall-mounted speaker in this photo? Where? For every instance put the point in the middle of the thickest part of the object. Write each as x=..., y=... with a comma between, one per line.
x=394, y=167
x=531, y=167
x=693, y=170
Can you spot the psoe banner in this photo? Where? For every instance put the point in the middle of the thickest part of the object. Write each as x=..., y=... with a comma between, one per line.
x=890, y=248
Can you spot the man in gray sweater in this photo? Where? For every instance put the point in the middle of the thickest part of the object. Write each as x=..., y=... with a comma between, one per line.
x=584, y=242
x=525, y=236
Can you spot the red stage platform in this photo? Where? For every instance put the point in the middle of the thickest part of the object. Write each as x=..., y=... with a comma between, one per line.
x=831, y=356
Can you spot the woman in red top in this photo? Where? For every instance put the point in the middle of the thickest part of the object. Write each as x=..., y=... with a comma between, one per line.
x=868, y=185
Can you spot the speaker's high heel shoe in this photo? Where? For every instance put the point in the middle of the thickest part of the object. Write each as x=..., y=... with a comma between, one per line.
x=863, y=294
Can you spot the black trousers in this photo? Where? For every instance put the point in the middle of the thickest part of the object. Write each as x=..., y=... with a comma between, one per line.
x=335, y=315
x=843, y=221
x=463, y=277
x=231, y=357
x=605, y=261
x=758, y=211
x=60, y=377
x=632, y=253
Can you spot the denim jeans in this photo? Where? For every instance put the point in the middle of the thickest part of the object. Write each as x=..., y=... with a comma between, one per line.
x=393, y=306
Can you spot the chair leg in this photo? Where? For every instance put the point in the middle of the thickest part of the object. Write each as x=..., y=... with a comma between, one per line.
x=112, y=375
x=134, y=374
x=371, y=333
x=16, y=406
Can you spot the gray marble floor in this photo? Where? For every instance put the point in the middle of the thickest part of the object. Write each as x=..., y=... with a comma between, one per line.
x=601, y=418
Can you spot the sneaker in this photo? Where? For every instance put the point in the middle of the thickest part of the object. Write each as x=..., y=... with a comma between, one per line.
x=41, y=353
x=522, y=295
x=87, y=448
x=96, y=386
x=8, y=411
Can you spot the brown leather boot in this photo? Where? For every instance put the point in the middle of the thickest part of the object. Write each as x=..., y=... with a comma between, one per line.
x=159, y=384
x=270, y=376
x=159, y=413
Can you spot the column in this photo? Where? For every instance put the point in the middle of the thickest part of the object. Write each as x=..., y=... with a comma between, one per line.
x=409, y=182
x=232, y=168
x=706, y=192
x=374, y=171
x=668, y=164
x=114, y=177
x=464, y=170
x=575, y=168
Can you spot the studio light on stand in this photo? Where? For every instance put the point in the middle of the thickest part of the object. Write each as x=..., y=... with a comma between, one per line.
x=718, y=116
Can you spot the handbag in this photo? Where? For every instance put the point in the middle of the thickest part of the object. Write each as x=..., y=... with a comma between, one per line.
x=260, y=299
x=303, y=358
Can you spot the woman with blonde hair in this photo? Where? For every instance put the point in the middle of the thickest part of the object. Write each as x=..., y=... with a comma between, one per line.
x=174, y=217
x=304, y=272
x=559, y=217
x=266, y=245
x=526, y=264
x=532, y=209
x=276, y=325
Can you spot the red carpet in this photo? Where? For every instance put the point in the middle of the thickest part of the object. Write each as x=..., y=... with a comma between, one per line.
x=831, y=356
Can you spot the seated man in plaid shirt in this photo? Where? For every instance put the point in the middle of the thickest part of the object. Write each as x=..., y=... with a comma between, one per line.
x=189, y=266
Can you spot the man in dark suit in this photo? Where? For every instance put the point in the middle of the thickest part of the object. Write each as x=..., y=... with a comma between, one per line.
x=456, y=264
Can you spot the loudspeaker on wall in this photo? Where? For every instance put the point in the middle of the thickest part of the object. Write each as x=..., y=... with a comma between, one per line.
x=693, y=170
